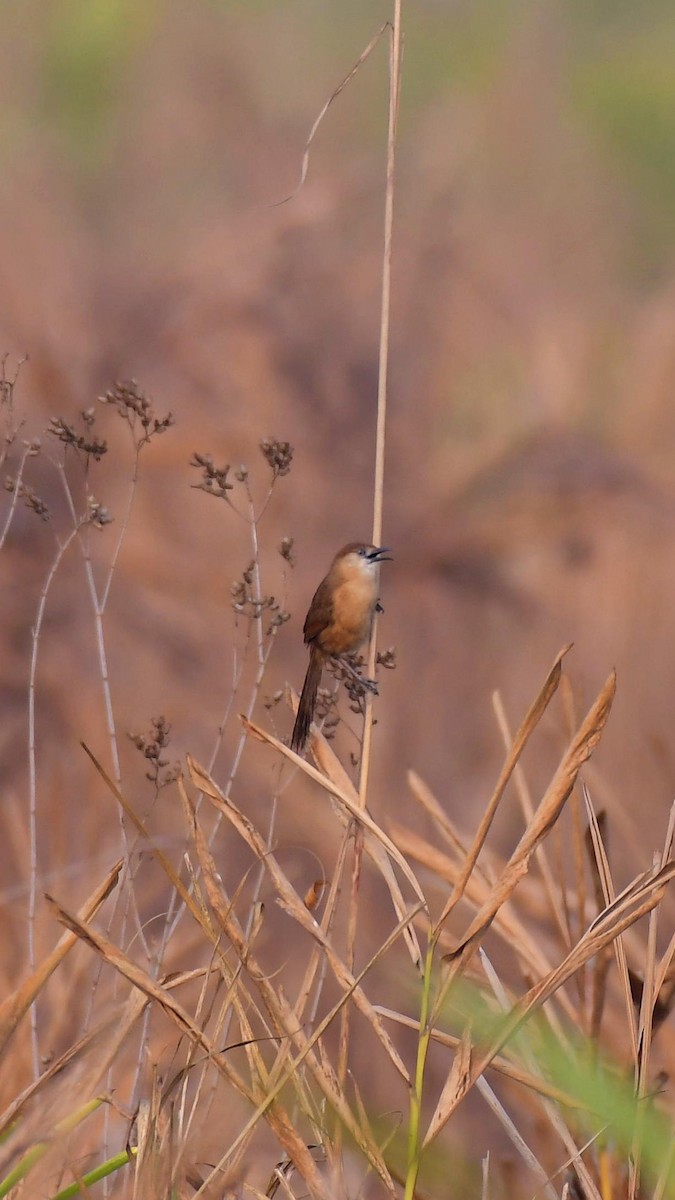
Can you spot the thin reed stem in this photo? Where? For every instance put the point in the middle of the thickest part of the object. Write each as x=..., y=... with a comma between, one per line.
x=383, y=368
x=415, y=1139
x=32, y=778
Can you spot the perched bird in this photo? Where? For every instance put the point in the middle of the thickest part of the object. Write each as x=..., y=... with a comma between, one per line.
x=338, y=621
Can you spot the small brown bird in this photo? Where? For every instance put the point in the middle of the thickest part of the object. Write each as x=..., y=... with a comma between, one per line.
x=338, y=621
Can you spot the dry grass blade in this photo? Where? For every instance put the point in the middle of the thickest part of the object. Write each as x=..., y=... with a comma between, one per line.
x=565, y=1047
x=645, y=1027
x=556, y=901
x=647, y=1023
x=277, y=1119
x=243, y=942
x=608, y=894
x=332, y=768
x=285, y=1021
x=315, y=962
x=664, y=985
x=184, y=893
x=293, y=904
x=641, y=885
x=333, y=96
x=515, y=1137
x=326, y=1077
x=102, y=1044
x=499, y=1064
x=152, y=1159
x=595, y=839
x=140, y=979
x=343, y=797
x=583, y=1179
x=664, y=978
x=14, y=1007
x=665, y=1181
x=42, y=1149
x=455, y=1084
x=424, y=796
x=544, y=818
x=643, y=895
x=507, y=925
x=70, y=1086
x=532, y=719
x=636, y=901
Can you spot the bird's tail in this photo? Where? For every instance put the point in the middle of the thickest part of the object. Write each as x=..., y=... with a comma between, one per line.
x=310, y=688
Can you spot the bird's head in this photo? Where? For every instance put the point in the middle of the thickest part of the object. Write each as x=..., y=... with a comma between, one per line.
x=362, y=557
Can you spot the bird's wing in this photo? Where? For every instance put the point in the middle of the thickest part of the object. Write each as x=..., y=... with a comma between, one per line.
x=320, y=612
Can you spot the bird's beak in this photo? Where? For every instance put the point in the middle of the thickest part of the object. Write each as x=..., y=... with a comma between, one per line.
x=380, y=554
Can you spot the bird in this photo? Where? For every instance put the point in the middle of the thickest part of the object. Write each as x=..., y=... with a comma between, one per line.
x=338, y=621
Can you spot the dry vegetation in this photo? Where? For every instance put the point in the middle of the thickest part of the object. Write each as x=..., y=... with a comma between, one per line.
x=228, y=972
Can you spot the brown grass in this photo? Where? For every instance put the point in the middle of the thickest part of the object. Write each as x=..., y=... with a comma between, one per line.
x=273, y=1053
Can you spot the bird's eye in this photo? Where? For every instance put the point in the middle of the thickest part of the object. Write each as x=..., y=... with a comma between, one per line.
x=363, y=551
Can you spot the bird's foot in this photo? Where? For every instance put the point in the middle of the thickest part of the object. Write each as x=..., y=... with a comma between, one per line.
x=349, y=671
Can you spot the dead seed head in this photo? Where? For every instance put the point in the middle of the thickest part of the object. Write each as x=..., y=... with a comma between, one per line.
x=7, y=384
x=97, y=514
x=85, y=443
x=246, y=602
x=151, y=746
x=387, y=658
x=29, y=497
x=214, y=479
x=238, y=594
x=132, y=404
x=326, y=712
x=286, y=550
x=279, y=455
x=280, y=618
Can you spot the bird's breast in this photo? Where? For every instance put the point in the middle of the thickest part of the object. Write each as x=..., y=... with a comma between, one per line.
x=354, y=602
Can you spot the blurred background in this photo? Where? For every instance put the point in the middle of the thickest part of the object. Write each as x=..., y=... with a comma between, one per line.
x=529, y=496
x=530, y=502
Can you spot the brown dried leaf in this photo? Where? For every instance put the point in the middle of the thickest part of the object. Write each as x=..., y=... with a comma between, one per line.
x=454, y=1087
x=314, y=893
x=546, y=815
x=529, y=724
